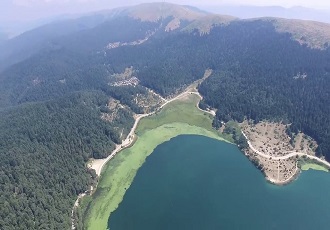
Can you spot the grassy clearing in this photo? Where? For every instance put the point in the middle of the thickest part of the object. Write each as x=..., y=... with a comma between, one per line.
x=308, y=166
x=179, y=117
x=182, y=110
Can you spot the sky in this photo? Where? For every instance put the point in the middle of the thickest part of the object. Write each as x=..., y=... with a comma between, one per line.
x=23, y=10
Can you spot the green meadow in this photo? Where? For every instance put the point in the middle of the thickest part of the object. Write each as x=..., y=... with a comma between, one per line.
x=178, y=117
x=183, y=110
x=313, y=166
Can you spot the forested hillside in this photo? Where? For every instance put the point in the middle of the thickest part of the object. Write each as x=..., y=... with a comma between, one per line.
x=259, y=74
x=52, y=100
x=45, y=144
x=44, y=148
x=69, y=63
x=276, y=79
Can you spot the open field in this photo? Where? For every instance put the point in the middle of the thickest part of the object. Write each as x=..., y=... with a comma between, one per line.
x=178, y=117
x=182, y=110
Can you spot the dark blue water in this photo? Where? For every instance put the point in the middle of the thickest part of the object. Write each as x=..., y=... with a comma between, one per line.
x=194, y=182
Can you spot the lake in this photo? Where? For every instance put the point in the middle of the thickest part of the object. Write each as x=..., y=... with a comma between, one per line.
x=195, y=182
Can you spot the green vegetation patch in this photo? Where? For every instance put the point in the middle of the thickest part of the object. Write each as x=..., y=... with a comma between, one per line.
x=182, y=110
x=308, y=166
x=178, y=117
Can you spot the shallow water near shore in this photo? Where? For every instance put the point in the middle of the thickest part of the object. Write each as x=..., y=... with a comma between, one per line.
x=195, y=182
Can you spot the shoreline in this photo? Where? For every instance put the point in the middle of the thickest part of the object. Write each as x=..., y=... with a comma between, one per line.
x=99, y=164
x=130, y=137
x=294, y=177
x=130, y=160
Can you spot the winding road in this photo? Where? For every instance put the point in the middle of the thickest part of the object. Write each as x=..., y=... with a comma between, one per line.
x=288, y=155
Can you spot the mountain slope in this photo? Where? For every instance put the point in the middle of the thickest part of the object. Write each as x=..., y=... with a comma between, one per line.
x=34, y=41
x=44, y=148
x=173, y=16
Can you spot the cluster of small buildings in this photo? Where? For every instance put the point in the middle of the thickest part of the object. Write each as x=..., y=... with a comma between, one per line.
x=133, y=81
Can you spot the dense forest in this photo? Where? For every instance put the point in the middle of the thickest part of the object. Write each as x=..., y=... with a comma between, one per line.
x=274, y=79
x=51, y=102
x=68, y=63
x=44, y=148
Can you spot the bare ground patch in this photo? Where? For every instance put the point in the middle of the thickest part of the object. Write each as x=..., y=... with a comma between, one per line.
x=272, y=145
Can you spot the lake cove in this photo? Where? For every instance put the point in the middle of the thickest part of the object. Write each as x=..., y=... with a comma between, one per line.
x=178, y=117
x=195, y=182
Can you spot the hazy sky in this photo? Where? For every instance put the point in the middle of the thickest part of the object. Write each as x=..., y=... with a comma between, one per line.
x=33, y=9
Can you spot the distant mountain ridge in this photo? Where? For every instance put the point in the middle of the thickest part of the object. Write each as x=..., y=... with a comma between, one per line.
x=17, y=49
x=297, y=12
